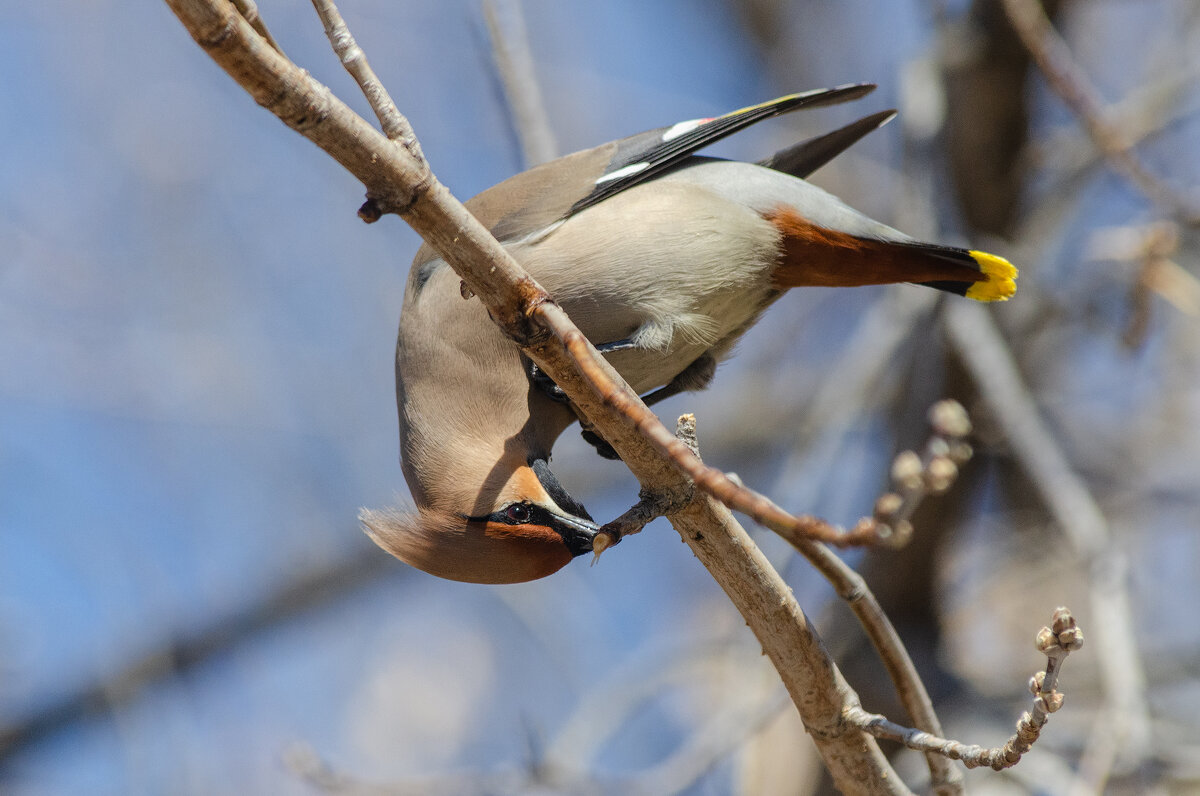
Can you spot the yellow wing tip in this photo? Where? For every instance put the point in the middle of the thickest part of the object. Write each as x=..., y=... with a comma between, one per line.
x=866, y=88
x=1000, y=282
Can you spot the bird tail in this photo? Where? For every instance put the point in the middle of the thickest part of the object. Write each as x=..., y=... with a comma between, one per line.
x=823, y=257
x=999, y=281
x=802, y=159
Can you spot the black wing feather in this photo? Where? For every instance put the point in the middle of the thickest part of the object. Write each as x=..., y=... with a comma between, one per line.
x=657, y=155
x=802, y=159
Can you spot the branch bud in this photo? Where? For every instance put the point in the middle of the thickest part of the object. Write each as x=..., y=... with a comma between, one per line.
x=887, y=505
x=906, y=470
x=940, y=474
x=950, y=419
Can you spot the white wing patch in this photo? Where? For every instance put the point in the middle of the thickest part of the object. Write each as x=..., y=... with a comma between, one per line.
x=683, y=127
x=629, y=170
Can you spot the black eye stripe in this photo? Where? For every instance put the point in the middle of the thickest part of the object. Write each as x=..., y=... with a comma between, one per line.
x=533, y=515
x=578, y=540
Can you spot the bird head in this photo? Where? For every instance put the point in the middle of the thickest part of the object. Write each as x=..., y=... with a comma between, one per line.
x=521, y=525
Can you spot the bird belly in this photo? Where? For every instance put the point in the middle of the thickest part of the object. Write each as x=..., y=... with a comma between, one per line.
x=671, y=268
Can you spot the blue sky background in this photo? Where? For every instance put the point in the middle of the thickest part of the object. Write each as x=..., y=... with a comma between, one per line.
x=196, y=396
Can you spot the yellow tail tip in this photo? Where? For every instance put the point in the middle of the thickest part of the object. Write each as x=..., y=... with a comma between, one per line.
x=1000, y=278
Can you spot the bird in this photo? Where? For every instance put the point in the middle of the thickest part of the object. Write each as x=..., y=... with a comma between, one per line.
x=663, y=258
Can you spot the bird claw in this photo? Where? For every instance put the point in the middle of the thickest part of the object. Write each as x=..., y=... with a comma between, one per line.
x=602, y=447
x=545, y=384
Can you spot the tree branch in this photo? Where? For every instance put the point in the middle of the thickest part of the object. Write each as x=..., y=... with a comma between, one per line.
x=514, y=63
x=1058, y=641
x=249, y=12
x=987, y=358
x=944, y=452
x=394, y=125
x=397, y=182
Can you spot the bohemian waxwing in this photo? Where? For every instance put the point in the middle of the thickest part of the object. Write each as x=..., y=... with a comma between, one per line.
x=663, y=259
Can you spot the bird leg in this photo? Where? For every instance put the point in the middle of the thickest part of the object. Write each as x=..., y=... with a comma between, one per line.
x=651, y=503
x=599, y=443
x=695, y=376
x=545, y=384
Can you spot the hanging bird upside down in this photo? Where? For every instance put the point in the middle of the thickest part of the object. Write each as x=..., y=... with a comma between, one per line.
x=663, y=259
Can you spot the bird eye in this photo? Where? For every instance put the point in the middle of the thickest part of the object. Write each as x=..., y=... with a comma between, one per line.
x=517, y=512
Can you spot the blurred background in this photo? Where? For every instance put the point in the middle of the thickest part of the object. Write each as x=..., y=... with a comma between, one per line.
x=196, y=397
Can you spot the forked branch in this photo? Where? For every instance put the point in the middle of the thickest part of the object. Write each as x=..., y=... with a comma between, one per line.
x=397, y=182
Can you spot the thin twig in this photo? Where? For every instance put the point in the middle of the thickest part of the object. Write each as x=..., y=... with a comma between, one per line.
x=1147, y=111
x=1057, y=642
x=1151, y=247
x=951, y=425
x=397, y=182
x=651, y=504
x=394, y=125
x=850, y=586
x=514, y=63
x=986, y=356
x=829, y=415
x=249, y=12
x=1069, y=81
x=945, y=449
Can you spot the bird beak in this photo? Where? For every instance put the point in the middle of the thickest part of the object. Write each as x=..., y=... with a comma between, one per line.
x=576, y=532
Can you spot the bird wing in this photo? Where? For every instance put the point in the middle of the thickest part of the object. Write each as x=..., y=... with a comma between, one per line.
x=639, y=157
x=802, y=159
x=531, y=202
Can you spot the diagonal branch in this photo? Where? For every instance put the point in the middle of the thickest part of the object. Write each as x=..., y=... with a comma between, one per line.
x=613, y=393
x=946, y=449
x=514, y=64
x=394, y=125
x=397, y=182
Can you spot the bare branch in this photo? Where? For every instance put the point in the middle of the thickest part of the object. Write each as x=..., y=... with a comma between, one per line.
x=613, y=394
x=651, y=504
x=397, y=182
x=950, y=424
x=1151, y=248
x=394, y=125
x=986, y=356
x=945, y=779
x=514, y=63
x=1057, y=642
x=1145, y=112
x=249, y=12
